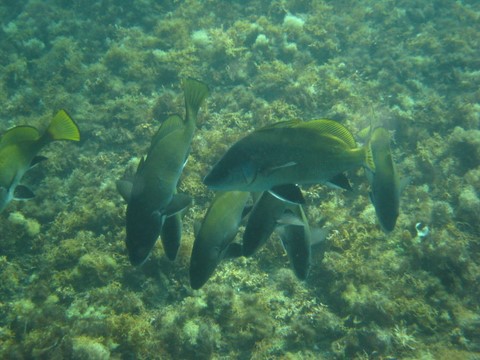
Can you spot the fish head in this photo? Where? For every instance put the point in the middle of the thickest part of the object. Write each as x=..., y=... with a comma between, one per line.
x=143, y=230
x=231, y=173
x=203, y=264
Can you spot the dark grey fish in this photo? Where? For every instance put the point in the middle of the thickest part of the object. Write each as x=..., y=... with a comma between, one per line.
x=384, y=182
x=296, y=240
x=152, y=197
x=215, y=235
x=265, y=215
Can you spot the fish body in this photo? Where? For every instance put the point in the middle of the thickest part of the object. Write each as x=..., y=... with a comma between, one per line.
x=152, y=196
x=218, y=230
x=171, y=235
x=283, y=214
x=265, y=217
x=384, y=181
x=292, y=152
x=296, y=240
x=19, y=147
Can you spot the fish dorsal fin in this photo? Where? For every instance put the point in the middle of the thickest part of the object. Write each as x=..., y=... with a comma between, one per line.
x=331, y=128
x=124, y=187
x=63, y=127
x=281, y=125
x=19, y=134
x=173, y=122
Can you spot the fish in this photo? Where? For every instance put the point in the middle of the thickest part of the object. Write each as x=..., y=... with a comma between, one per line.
x=151, y=195
x=19, y=147
x=296, y=240
x=289, y=152
x=280, y=209
x=214, y=240
x=171, y=235
x=384, y=181
x=266, y=214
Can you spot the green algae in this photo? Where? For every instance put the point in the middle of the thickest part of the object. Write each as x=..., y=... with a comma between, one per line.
x=67, y=289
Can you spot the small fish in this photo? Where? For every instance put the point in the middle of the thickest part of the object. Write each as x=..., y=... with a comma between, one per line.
x=213, y=241
x=266, y=214
x=384, y=182
x=291, y=152
x=151, y=196
x=19, y=147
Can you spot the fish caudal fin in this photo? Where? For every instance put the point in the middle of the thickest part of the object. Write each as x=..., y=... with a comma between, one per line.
x=195, y=93
x=63, y=127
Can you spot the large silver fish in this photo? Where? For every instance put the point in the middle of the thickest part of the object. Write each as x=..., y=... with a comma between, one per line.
x=19, y=147
x=152, y=194
x=291, y=152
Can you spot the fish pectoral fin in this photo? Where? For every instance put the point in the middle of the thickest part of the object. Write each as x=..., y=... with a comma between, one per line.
x=290, y=218
x=340, y=181
x=234, y=250
x=37, y=160
x=290, y=193
x=23, y=193
x=22, y=133
x=158, y=219
x=124, y=187
x=179, y=203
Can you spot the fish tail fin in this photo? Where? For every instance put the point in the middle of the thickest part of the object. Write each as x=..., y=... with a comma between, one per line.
x=195, y=93
x=62, y=127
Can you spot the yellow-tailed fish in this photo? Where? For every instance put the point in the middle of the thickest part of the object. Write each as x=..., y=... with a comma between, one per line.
x=152, y=194
x=19, y=147
x=384, y=182
x=215, y=236
x=291, y=152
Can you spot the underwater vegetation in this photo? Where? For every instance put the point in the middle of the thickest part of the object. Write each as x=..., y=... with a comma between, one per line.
x=67, y=288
